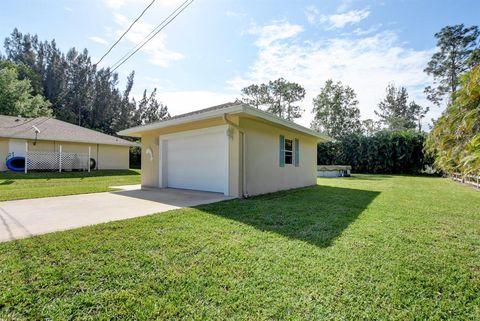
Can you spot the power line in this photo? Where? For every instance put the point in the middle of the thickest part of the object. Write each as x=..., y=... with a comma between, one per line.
x=126, y=31
x=152, y=34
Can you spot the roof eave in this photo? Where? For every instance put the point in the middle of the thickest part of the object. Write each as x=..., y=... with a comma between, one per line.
x=128, y=144
x=135, y=131
x=274, y=119
x=239, y=108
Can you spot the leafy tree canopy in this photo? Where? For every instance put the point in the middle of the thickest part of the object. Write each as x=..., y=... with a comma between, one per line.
x=336, y=111
x=279, y=97
x=16, y=98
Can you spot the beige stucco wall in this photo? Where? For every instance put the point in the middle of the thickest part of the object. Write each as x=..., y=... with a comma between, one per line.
x=3, y=153
x=113, y=157
x=106, y=156
x=263, y=172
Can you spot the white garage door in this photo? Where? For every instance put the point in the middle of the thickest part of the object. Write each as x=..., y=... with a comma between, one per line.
x=197, y=160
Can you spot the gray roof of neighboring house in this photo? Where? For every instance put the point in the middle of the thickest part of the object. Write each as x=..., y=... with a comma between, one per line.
x=54, y=129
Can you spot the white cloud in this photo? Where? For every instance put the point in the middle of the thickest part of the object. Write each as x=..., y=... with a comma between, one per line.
x=342, y=19
x=367, y=64
x=156, y=49
x=277, y=31
x=344, y=5
x=68, y=9
x=339, y=20
x=311, y=12
x=98, y=40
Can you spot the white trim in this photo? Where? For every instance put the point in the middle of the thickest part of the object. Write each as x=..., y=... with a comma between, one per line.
x=235, y=109
x=181, y=120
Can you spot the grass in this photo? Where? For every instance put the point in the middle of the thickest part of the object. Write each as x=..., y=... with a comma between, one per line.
x=369, y=247
x=33, y=185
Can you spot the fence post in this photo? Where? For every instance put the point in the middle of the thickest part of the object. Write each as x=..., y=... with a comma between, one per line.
x=88, y=160
x=26, y=156
x=60, y=159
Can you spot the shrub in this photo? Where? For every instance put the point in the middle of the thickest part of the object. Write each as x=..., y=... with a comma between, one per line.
x=392, y=152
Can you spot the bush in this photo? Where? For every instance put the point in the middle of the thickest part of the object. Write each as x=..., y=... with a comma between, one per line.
x=390, y=152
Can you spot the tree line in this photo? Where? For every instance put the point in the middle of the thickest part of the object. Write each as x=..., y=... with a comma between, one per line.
x=454, y=139
x=38, y=79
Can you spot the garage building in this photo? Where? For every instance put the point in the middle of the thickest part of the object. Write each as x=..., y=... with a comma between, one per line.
x=233, y=149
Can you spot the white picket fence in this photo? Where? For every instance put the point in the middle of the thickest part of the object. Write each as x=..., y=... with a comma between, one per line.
x=473, y=180
x=57, y=161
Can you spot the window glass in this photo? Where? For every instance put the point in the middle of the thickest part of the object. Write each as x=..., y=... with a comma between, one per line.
x=288, y=151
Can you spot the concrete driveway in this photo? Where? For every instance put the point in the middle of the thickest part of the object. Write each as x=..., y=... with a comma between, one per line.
x=23, y=218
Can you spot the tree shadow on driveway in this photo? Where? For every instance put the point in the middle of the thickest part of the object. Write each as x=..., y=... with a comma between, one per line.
x=317, y=214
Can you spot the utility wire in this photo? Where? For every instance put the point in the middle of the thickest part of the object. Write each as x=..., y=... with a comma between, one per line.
x=126, y=31
x=152, y=34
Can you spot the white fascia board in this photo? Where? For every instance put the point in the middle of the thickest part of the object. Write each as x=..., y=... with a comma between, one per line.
x=182, y=120
x=240, y=108
x=274, y=119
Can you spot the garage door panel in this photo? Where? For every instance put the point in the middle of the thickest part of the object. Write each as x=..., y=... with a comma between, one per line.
x=197, y=162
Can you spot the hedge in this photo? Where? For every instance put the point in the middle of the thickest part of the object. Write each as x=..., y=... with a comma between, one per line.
x=389, y=152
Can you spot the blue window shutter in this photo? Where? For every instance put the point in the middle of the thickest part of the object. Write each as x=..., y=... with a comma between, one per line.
x=297, y=152
x=282, y=151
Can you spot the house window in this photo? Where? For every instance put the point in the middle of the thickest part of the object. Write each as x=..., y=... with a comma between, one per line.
x=288, y=151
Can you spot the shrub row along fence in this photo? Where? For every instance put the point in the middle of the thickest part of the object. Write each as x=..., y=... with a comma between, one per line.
x=386, y=152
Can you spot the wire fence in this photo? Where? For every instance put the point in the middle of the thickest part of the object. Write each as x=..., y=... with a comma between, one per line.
x=473, y=180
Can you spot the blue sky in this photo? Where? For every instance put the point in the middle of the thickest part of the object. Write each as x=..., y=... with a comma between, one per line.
x=216, y=47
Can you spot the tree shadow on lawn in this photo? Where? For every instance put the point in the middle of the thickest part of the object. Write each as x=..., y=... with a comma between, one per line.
x=317, y=214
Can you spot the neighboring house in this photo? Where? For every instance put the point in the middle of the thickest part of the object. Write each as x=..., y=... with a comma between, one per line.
x=45, y=134
x=232, y=149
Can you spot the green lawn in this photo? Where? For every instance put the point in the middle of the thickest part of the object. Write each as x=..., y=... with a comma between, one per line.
x=33, y=185
x=370, y=247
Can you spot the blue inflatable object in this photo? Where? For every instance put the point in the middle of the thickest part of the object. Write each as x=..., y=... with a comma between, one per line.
x=16, y=164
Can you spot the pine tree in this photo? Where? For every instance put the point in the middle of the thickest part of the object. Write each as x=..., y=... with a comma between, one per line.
x=278, y=97
x=455, y=44
x=396, y=113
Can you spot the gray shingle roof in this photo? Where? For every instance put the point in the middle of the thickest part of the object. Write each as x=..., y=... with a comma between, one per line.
x=54, y=129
